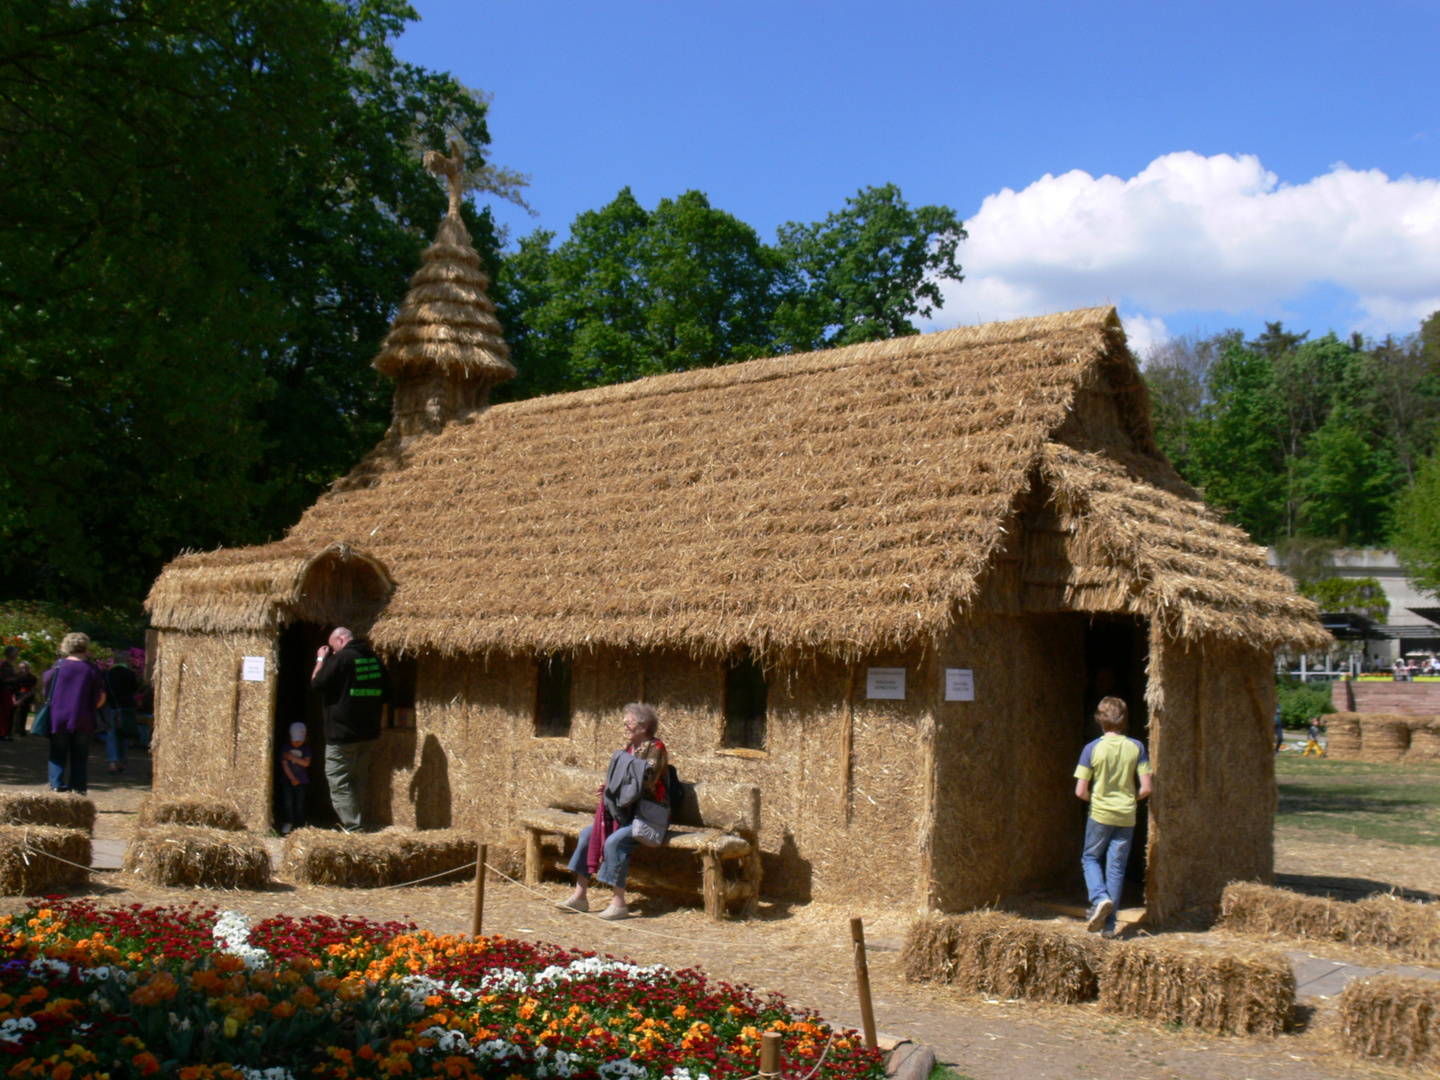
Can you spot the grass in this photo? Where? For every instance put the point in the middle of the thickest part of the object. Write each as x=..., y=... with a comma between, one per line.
x=944, y=1072
x=1397, y=803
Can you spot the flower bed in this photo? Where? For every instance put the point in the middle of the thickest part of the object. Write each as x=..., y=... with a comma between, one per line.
x=89, y=993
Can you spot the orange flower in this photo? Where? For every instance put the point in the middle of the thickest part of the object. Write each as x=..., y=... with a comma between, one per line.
x=527, y=1009
x=681, y=1012
x=283, y=1011
x=192, y=1072
x=227, y=963
x=63, y=1071
x=147, y=1063
x=367, y=1052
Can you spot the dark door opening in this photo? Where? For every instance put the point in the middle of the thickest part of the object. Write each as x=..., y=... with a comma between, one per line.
x=299, y=642
x=1116, y=651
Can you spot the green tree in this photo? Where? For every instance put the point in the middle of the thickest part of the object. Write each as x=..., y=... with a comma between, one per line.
x=1346, y=484
x=1363, y=596
x=207, y=213
x=1417, y=527
x=1177, y=374
x=866, y=270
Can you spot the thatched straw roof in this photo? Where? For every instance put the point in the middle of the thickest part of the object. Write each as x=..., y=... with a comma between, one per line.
x=447, y=321
x=840, y=502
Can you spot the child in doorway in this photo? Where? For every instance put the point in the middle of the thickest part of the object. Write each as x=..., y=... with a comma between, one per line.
x=295, y=764
x=1314, y=738
x=1106, y=778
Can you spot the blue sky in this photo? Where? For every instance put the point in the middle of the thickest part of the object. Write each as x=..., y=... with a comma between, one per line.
x=1202, y=166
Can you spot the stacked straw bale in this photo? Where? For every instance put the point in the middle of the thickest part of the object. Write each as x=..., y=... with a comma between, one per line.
x=1424, y=739
x=1384, y=736
x=48, y=808
x=989, y=952
x=361, y=861
x=188, y=855
x=1221, y=992
x=25, y=863
x=1406, y=928
x=205, y=813
x=1342, y=731
x=1393, y=1019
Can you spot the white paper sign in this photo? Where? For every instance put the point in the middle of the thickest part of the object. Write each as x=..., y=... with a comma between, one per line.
x=959, y=684
x=252, y=669
x=885, y=683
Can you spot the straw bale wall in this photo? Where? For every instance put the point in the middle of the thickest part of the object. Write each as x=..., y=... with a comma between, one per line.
x=1212, y=814
x=1006, y=819
x=472, y=761
x=212, y=739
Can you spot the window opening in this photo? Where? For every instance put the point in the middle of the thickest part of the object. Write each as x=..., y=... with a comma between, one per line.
x=745, y=695
x=400, y=713
x=553, y=679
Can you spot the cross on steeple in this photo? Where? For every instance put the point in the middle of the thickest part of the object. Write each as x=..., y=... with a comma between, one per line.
x=453, y=169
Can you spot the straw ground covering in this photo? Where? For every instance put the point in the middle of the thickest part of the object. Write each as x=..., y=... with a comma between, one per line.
x=1224, y=992
x=26, y=867
x=367, y=861
x=48, y=808
x=201, y=812
x=1392, y=1019
x=990, y=952
x=187, y=855
x=1409, y=930
x=720, y=508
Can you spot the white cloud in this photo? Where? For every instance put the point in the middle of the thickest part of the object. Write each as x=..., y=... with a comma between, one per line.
x=1143, y=333
x=1208, y=234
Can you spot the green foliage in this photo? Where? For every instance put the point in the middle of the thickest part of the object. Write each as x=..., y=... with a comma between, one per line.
x=1363, y=596
x=37, y=628
x=1417, y=528
x=634, y=292
x=1299, y=701
x=207, y=214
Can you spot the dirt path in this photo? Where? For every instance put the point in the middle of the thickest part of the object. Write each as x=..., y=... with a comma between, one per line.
x=802, y=951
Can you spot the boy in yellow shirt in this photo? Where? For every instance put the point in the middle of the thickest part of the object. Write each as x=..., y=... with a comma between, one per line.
x=1113, y=776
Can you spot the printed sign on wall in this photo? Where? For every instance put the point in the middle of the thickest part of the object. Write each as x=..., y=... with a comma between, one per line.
x=959, y=684
x=252, y=669
x=885, y=683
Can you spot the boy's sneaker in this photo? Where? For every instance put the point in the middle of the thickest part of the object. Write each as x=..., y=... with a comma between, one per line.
x=1098, y=914
x=1109, y=935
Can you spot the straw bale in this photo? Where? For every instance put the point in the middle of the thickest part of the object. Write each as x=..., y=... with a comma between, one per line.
x=1384, y=736
x=48, y=808
x=374, y=860
x=202, y=812
x=990, y=952
x=843, y=503
x=1403, y=927
x=187, y=855
x=1219, y=990
x=1424, y=739
x=1342, y=736
x=26, y=867
x=1392, y=1019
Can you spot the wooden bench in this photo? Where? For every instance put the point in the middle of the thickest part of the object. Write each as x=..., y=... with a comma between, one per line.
x=717, y=823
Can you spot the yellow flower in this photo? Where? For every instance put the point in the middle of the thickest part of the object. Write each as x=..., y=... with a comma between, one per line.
x=232, y=1026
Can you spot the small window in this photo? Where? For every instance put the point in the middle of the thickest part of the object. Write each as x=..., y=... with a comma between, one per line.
x=552, y=697
x=401, y=711
x=745, y=694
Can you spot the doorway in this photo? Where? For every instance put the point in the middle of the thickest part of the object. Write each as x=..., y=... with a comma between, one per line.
x=299, y=642
x=1117, y=649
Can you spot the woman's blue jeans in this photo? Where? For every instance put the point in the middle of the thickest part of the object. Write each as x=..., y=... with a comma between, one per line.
x=615, y=864
x=1107, y=850
x=71, y=750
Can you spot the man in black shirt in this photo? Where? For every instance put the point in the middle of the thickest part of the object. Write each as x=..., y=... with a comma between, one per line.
x=354, y=687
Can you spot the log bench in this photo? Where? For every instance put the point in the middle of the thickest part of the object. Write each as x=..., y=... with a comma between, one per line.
x=719, y=824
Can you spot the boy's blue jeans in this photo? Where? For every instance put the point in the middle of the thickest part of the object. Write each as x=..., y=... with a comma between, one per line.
x=1107, y=850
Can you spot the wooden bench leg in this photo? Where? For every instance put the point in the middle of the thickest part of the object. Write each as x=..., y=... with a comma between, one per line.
x=752, y=876
x=714, y=885
x=532, y=857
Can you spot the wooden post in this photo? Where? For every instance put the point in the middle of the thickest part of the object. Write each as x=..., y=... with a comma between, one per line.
x=479, y=892
x=862, y=982
x=533, y=855
x=847, y=746
x=770, y=1044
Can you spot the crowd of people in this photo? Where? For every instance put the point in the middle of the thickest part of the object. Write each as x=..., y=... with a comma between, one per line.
x=72, y=703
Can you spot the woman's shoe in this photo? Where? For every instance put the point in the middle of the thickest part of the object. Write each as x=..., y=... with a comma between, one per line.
x=580, y=904
x=615, y=912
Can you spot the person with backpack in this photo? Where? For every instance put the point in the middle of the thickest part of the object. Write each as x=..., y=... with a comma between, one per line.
x=121, y=686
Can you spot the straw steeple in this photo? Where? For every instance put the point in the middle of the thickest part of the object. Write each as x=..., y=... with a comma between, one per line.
x=445, y=348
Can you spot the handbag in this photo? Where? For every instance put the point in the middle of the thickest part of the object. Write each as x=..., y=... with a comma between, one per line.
x=41, y=724
x=651, y=820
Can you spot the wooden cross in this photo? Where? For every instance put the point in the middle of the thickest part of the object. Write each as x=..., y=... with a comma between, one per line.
x=453, y=169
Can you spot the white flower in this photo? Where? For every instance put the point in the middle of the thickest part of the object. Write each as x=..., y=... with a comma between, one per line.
x=275, y=1072
x=44, y=965
x=232, y=935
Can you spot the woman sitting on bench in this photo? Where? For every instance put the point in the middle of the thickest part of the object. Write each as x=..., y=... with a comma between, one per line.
x=605, y=845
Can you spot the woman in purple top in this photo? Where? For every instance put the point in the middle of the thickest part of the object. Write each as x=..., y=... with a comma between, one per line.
x=75, y=688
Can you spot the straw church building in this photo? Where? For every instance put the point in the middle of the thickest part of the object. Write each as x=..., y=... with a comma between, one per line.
x=886, y=583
